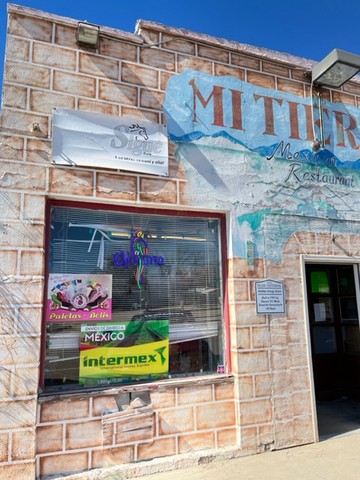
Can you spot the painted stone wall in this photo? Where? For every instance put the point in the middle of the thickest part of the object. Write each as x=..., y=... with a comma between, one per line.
x=98, y=431
x=216, y=164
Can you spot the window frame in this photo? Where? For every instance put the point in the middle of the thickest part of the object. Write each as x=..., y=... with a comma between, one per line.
x=223, y=268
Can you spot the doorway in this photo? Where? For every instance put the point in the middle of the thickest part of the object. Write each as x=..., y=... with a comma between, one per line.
x=332, y=291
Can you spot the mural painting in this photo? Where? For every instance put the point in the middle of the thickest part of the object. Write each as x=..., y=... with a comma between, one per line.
x=258, y=152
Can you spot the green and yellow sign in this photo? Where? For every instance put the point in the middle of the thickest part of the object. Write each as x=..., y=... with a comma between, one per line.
x=124, y=352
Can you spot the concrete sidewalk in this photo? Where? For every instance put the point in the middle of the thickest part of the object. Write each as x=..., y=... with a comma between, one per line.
x=332, y=459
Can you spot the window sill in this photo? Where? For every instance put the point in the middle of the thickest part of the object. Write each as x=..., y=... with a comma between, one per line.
x=159, y=385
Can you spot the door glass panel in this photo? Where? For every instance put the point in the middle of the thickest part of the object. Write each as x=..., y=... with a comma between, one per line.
x=348, y=309
x=351, y=338
x=346, y=283
x=324, y=339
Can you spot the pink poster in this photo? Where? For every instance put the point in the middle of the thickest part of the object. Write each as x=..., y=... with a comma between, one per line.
x=79, y=298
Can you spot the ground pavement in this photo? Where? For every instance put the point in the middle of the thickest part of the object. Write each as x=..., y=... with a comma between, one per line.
x=337, y=458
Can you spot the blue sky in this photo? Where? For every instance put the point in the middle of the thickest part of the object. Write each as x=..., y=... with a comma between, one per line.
x=306, y=28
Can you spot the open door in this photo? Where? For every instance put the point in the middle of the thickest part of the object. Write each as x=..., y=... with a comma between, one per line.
x=332, y=292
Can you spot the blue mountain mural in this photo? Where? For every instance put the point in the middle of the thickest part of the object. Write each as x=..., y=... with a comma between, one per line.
x=282, y=150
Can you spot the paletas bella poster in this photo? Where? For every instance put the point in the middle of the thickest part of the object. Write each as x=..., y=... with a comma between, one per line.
x=79, y=297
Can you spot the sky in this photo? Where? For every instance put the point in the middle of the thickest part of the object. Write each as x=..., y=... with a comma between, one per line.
x=305, y=28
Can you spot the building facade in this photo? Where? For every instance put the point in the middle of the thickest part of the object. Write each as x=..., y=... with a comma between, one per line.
x=179, y=247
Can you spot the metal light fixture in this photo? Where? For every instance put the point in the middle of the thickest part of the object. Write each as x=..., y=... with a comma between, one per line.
x=336, y=68
x=88, y=34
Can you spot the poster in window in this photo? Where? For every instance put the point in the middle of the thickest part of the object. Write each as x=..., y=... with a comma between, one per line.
x=320, y=312
x=74, y=298
x=320, y=282
x=323, y=310
x=123, y=352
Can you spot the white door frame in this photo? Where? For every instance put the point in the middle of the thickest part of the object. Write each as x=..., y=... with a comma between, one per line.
x=322, y=259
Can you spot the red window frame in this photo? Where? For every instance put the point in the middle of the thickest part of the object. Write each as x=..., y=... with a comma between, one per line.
x=140, y=210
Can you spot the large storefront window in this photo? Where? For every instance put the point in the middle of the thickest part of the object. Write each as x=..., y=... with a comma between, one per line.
x=132, y=296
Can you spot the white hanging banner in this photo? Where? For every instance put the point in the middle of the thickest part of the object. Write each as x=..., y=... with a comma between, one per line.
x=104, y=141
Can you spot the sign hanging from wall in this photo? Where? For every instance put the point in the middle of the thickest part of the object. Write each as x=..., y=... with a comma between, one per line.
x=88, y=139
x=123, y=352
x=269, y=297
